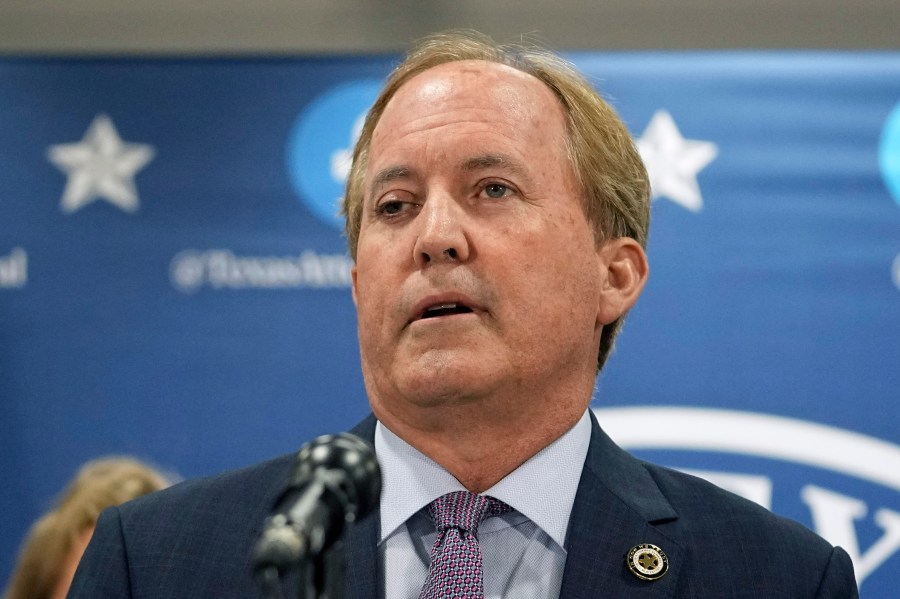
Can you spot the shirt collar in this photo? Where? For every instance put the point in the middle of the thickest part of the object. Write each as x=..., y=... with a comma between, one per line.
x=542, y=489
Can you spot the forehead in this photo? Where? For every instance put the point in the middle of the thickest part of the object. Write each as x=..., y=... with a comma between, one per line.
x=478, y=96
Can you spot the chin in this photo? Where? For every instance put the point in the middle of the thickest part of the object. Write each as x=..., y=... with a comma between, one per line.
x=434, y=379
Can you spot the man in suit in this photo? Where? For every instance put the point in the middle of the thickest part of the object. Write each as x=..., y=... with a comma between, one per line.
x=497, y=213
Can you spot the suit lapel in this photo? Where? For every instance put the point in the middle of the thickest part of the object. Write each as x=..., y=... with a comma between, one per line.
x=361, y=541
x=361, y=559
x=617, y=506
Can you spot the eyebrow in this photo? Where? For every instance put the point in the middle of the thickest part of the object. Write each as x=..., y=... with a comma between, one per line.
x=504, y=161
x=485, y=161
x=386, y=175
x=391, y=173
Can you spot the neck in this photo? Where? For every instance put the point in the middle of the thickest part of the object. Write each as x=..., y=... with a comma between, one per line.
x=481, y=442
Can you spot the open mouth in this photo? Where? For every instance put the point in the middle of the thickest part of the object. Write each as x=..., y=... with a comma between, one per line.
x=445, y=309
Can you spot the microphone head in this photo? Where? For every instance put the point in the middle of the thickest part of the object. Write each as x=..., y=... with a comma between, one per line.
x=336, y=479
x=345, y=461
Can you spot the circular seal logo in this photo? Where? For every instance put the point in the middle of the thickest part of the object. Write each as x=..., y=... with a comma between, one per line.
x=320, y=146
x=647, y=562
x=889, y=153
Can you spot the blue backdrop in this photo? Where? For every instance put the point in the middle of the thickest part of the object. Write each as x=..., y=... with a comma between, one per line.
x=174, y=283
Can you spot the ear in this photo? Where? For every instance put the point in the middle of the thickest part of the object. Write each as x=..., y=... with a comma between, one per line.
x=624, y=271
x=353, y=283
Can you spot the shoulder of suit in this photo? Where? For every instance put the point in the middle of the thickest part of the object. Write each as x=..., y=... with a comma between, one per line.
x=253, y=485
x=708, y=510
x=252, y=489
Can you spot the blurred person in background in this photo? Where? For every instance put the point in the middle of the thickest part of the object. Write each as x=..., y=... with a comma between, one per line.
x=54, y=545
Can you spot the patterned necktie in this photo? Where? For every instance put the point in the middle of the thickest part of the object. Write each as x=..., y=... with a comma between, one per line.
x=455, y=571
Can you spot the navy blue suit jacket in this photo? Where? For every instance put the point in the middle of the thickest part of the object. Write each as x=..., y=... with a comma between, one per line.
x=195, y=539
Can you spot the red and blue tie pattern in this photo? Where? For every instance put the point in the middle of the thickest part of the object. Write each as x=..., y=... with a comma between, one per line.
x=456, y=569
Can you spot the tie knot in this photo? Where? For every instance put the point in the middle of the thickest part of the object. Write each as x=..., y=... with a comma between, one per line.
x=464, y=510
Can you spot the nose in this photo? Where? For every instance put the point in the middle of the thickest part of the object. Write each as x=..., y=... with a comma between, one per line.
x=442, y=237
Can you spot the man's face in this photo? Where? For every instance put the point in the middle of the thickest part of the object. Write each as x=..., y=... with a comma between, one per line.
x=477, y=273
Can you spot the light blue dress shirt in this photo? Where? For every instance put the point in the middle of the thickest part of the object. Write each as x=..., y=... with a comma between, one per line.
x=524, y=550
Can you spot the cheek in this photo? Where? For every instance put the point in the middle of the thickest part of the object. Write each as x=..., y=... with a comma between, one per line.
x=366, y=270
x=373, y=288
x=561, y=276
x=368, y=297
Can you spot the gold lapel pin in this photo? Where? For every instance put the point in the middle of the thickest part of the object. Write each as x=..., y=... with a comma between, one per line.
x=647, y=562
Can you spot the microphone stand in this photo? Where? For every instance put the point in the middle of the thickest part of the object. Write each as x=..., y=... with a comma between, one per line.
x=319, y=578
x=269, y=582
x=323, y=576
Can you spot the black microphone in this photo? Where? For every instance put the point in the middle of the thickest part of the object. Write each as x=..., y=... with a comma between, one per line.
x=336, y=480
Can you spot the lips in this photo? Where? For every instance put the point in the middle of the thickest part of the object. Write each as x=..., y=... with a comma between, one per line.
x=445, y=309
x=442, y=306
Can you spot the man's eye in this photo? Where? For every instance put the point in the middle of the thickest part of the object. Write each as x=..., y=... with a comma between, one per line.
x=495, y=190
x=390, y=207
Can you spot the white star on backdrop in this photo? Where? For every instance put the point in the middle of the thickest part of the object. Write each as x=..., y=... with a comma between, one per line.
x=673, y=161
x=100, y=166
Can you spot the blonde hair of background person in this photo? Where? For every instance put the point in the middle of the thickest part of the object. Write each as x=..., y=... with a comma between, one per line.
x=615, y=186
x=54, y=545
